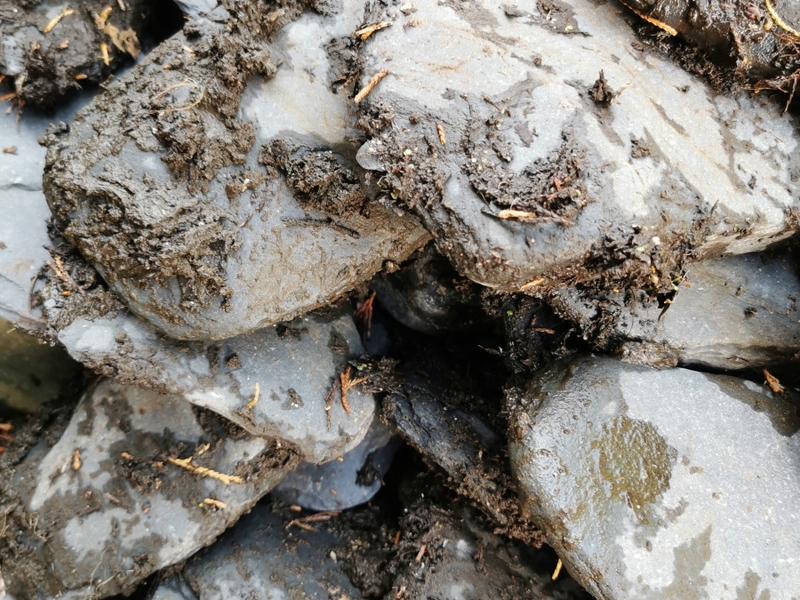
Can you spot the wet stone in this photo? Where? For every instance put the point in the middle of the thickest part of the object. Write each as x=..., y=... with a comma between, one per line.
x=113, y=506
x=728, y=313
x=23, y=233
x=650, y=483
x=261, y=558
x=345, y=482
x=294, y=365
x=220, y=207
x=534, y=173
x=49, y=49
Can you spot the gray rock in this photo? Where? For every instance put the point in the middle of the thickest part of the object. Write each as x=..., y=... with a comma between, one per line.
x=104, y=507
x=661, y=484
x=195, y=8
x=220, y=207
x=23, y=211
x=31, y=372
x=512, y=111
x=351, y=480
x=729, y=313
x=260, y=558
x=294, y=366
x=174, y=588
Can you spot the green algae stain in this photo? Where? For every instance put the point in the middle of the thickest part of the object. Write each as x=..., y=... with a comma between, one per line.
x=634, y=460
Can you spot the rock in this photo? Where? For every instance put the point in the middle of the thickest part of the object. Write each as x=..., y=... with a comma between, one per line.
x=340, y=484
x=540, y=147
x=51, y=49
x=260, y=558
x=32, y=373
x=728, y=313
x=23, y=233
x=427, y=295
x=104, y=507
x=651, y=483
x=174, y=588
x=221, y=207
x=294, y=366
x=196, y=8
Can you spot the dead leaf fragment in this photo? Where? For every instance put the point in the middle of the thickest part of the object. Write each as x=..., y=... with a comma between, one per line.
x=773, y=382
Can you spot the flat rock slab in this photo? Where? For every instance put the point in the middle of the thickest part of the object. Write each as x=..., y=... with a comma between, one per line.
x=294, y=366
x=350, y=480
x=208, y=196
x=113, y=506
x=661, y=484
x=540, y=147
x=729, y=313
x=260, y=558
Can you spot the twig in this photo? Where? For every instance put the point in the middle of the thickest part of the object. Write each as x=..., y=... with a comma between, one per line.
x=557, y=572
x=253, y=402
x=773, y=382
x=376, y=79
x=367, y=31
x=329, y=401
x=204, y=472
x=214, y=503
x=347, y=385
x=302, y=522
x=65, y=12
x=421, y=552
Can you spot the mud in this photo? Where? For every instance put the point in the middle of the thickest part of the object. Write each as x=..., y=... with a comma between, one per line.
x=50, y=49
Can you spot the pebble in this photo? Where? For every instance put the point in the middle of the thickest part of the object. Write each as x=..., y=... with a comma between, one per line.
x=114, y=508
x=639, y=162
x=661, y=484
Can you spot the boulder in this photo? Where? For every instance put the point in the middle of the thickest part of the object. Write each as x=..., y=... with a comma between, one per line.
x=542, y=147
x=661, y=484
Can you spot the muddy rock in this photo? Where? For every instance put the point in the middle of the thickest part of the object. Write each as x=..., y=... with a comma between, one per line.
x=346, y=482
x=572, y=156
x=52, y=49
x=728, y=313
x=23, y=232
x=427, y=295
x=650, y=483
x=294, y=366
x=107, y=504
x=261, y=558
x=208, y=196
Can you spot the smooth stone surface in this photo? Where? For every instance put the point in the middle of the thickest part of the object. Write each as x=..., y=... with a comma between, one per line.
x=23, y=211
x=486, y=116
x=205, y=240
x=32, y=373
x=345, y=482
x=729, y=313
x=174, y=588
x=259, y=558
x=661, y=484
x=294, y=364
x=118, y=517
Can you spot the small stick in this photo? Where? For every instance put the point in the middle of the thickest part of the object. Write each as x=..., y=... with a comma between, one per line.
x=442, y=138
x=370, y=85
x=302, y=522
x=557, y=572
x=370, y=29
x=421, y=553
x=214, y=503
x=204, y=472
x=329, y=402
x=253, y=402
x=66, y=11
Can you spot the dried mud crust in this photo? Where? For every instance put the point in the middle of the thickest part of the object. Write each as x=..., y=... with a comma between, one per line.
x=206, y=67
x=53, y=49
